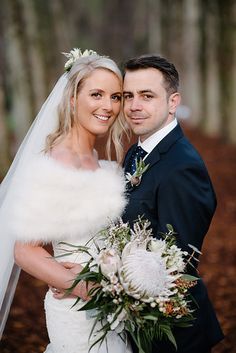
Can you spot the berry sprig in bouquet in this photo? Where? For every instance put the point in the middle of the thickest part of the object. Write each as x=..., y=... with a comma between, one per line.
x=141, y=285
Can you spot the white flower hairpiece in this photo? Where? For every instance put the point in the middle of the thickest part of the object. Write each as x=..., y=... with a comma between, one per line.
x=75, y=54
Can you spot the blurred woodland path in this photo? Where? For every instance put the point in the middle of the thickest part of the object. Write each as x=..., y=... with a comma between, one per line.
x=25, y=331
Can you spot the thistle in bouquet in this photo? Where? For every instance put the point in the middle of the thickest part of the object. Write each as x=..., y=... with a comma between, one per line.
x=141, y=285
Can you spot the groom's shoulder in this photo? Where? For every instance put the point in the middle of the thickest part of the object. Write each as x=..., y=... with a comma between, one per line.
x=187, y=148
x=183, y=152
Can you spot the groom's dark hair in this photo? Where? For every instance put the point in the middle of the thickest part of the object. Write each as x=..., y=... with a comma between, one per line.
x=168, y=70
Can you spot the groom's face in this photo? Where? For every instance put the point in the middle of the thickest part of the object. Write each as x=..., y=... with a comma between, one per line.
x=147, y=105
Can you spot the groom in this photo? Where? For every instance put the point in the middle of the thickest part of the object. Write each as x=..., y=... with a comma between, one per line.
x=176, y=187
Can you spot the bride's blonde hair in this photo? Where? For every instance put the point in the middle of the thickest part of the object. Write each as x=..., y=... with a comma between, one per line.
x=78, y=73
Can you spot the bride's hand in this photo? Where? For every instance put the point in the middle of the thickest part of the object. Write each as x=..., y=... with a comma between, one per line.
x=73, y=267
x=82, y=288
x=61, y=293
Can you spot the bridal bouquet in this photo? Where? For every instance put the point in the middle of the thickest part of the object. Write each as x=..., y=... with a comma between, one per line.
x=142, y=287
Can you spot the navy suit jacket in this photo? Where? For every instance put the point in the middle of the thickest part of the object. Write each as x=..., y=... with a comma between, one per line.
x=177, y=189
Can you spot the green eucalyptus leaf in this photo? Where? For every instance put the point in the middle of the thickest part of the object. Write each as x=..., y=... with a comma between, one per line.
x=150, y=317
x=170, y=228
x=189, y=278
x=195, y=249
x=168, y=332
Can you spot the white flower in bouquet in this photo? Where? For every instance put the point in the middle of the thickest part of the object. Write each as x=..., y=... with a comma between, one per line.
x=176, y=258
x=140, y=237
x=132, y=247
x=144, y=274
x=109, y=262
x=157, y=245
x=117, y=320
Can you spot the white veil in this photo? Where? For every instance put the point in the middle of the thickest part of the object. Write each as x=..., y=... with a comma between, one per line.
x=33, y=144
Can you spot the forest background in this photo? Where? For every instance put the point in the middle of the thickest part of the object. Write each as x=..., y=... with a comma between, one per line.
x=198, y=36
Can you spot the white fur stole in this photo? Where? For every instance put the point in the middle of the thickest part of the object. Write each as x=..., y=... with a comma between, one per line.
x=51, y=202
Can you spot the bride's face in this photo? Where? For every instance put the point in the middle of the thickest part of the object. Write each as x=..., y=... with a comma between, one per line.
x=98, y=102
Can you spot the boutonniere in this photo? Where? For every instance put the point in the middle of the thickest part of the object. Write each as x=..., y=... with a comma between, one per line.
x=135, y=179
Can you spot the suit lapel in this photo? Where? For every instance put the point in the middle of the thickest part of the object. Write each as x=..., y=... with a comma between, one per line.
x=163, y=146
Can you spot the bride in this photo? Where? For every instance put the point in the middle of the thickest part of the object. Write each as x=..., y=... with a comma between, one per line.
x=58, y=190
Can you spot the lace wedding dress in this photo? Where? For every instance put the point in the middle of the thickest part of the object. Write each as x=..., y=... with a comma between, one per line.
x=54, y=203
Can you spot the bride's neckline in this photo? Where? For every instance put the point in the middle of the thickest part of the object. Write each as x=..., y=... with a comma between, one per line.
x=67, y=163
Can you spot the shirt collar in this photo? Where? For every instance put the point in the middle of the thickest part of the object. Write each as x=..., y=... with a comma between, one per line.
x=150, y=143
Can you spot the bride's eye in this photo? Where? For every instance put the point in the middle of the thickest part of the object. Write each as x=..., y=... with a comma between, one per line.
x=96, y=95
x=116, y=97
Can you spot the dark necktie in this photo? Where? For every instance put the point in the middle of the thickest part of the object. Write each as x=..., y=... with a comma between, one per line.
x=136, y=155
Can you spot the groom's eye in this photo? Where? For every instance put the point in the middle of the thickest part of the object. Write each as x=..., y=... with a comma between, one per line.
x=147, y=96
x=116, y=97
x=127, y=96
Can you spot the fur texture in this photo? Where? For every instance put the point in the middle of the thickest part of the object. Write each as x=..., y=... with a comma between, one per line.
x=51, y=202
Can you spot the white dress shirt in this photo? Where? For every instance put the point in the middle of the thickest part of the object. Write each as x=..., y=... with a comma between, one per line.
x=150, y=143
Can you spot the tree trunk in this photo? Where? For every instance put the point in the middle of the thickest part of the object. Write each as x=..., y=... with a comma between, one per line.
x=118, y=29
x=35, y=57
x=4, y=142
x=18, y=69
x=212, y=113
x=4, y=145
x=154, y=26
x=228, y=67
x=191, y=74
